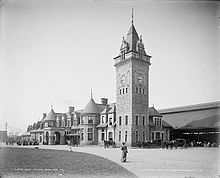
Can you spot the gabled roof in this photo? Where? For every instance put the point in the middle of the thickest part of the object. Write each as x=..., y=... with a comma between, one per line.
x=101, y=107
x=154, y=112
x=109, y=109
x=105, y=111
x=112, y=110
x=91, y=108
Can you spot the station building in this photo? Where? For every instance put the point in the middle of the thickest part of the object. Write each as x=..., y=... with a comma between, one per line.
x=128, y=120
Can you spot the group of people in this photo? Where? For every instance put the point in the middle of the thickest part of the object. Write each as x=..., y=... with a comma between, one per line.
x=9, y=142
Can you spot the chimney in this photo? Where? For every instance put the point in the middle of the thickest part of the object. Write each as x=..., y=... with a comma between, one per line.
x=71, y=109
x=104, y=101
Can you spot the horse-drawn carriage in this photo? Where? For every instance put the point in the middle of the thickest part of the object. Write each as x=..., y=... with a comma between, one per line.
x=108, y=143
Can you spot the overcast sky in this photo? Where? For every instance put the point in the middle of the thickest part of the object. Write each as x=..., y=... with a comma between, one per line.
x=55, y=51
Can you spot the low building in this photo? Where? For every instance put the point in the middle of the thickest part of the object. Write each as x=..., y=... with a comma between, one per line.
x=3, y=135
x=94, y=124
x=200, y=122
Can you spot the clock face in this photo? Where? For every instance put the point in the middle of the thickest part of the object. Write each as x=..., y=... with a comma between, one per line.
x=140, y=79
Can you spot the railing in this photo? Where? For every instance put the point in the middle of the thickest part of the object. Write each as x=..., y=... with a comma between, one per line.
x=132, y=54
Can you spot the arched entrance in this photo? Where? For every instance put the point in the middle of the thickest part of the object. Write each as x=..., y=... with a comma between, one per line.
x=47, y=138
x=57, y=138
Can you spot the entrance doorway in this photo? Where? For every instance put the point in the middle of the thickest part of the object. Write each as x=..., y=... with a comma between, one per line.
x=57, y=138
x=47, y=138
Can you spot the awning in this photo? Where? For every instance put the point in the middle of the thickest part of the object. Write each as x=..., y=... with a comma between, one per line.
x=26, y=134
x=36, y=131
x=75, y=134
x=102, y=125
x=75, y=128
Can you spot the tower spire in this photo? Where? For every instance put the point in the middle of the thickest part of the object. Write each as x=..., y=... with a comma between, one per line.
x=132, y=15
x=91, y=93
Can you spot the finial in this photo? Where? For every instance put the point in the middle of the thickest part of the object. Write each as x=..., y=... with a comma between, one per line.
x=51, y=106
x=132, y=16
x=91, y=93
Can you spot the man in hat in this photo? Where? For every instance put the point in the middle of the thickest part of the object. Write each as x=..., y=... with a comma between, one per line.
x=124, y=152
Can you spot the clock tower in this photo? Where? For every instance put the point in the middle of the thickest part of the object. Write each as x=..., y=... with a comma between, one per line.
x=132, y=90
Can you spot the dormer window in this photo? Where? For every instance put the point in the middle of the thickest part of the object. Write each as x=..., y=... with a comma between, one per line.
x=90, y=120
x=110, y=121
x=103, y=119
x=157, y=121
x=49, y=124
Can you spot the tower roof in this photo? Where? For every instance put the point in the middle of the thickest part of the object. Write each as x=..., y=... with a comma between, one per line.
x=51, y=116
x=90, y=108
x=132, y=38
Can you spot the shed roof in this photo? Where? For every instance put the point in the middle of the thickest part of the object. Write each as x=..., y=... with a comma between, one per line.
x=210, y=122
x=180, y=117
x=165, y=124
x=102, y=125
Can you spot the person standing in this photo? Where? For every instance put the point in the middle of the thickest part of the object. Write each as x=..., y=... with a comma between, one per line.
x=124, y=152
x=69, y=144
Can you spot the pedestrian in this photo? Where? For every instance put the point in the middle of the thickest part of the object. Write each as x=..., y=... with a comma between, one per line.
x=124, y=152
x=69, y=144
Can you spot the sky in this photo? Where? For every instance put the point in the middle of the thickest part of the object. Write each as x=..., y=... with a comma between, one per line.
x=54, y=52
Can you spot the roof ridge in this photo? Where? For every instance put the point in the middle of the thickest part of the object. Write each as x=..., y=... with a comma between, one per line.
x=191, y=107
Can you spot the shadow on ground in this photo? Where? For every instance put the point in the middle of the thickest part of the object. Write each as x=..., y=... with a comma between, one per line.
x=22, y=162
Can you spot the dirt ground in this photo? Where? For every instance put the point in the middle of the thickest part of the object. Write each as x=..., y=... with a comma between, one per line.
x=184, y=163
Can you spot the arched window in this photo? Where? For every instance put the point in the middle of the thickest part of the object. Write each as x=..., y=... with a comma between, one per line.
x=126, y=136
x=126, y=120
x=144, y=136
x=110, y=136
x=119, y=120
x=136, y=120
x=136, y=136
